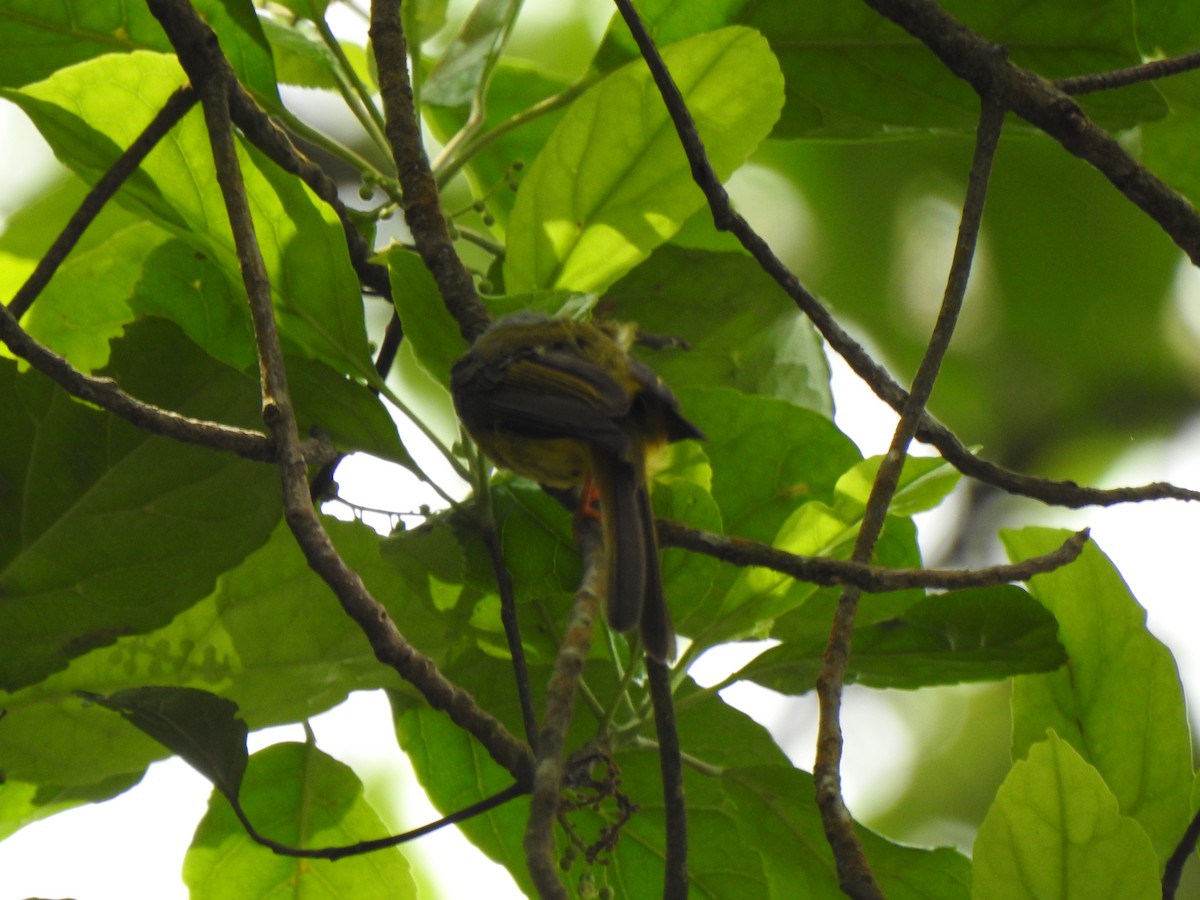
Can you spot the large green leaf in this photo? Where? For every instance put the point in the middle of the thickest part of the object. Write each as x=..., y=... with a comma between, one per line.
x=1118, y=701
x=853, y=74
x=610, y=186
x=90, y=111
x=271, y=638
x=1055, y=833
x=741, y=329
x=302, y=58
x=301, y=797
x=38, y=38
x=984, y=634
x=799, y=457
x=667, y=22
x=111, y=530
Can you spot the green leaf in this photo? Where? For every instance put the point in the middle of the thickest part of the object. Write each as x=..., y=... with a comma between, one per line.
x=433, y=333
x=1118, y=701
x=1167, y=29
x=86, y=304
x=462, y=72
x=271, y=638
x=977, y=634
x=925, y=481
x=853, y=74
x=22, y=803
x=802, y=454
x=202, y=728
x=113, y=531
x=308, y=9
x=743, y=332
x=1055, y=832
x=89, y=112
x=609, y=186
x=37, y=39
x=190, y=289
x=667, y=22
x=799, y=456
x=346, y=411
x=297, y=795
x=301, y=58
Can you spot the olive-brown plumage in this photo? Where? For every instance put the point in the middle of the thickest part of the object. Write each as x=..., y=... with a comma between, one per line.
x=563, y=403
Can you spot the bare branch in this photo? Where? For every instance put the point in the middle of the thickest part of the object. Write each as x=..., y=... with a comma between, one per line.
x=422, y=203
x=853, y=869
x=870, y=579
x=1173, y=871
x=560, y=706
x=194, y=43
x=986, y=68
x=487, y=804
x=1151, y=71
x=105, y=393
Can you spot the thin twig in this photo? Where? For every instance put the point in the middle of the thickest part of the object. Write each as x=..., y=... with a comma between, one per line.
x=452, y=163
x=675, y=865
x=190, y=37
x=487, y=804
x=173, y=110
x=1150, y=71
x=508, y=603
x=853, y=870
x=358, y=95
x=560, y=706
x=422, y=203
x=867, y=578
x=107, y=394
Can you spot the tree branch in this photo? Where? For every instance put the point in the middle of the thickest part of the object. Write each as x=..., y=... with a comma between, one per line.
x=560, y=706
x=870, y=579
x=1173, y=871
x=1150, y=71
x=422, y=202
x=487, y=804
x=107, y=394
x=194, y=42
x=1040, y=102
x=853, y=870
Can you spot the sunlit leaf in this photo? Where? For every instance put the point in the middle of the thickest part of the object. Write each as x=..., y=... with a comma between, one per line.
x=299, y=796
x=1119, y=681
x=1055, y=831
x=609, y=186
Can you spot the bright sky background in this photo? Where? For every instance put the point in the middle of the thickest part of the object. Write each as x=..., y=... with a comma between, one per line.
x=131, y=848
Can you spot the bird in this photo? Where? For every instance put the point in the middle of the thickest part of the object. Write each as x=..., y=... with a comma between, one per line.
x=563, y=402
